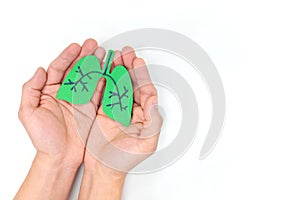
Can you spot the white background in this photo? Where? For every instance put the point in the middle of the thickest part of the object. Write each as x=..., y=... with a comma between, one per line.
x=255, y=46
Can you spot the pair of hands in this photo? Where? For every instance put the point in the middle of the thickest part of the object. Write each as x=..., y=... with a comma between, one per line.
x=64, y=135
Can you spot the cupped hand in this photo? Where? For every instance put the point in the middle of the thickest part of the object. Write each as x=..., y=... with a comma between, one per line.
x=49, y=122
x=113, y=148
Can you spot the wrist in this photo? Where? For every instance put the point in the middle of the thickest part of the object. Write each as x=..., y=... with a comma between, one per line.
x=57, y=161
x=91, y=165
x=54, y=167
x=48, y=178
x=100, y=181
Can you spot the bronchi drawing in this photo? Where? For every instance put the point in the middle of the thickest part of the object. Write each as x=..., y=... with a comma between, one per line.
x=80, y=85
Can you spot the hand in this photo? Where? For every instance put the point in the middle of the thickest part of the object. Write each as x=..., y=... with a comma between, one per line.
x=48, y=121
x=52, y=127
x=112, y=149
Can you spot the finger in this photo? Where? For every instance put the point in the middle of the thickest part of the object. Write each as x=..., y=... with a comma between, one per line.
x=31, y=93
x=144, y=84
x=57, y=68
x=153, y=120
x=100, y=54
x=128, y=56
x=96, y=99
x=88, y=48
x=117, y=60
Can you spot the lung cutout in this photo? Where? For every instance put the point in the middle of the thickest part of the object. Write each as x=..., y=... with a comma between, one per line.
x=80, y=85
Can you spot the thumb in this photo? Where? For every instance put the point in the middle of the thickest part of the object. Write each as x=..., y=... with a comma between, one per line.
x=31, y=93
x=153, y=119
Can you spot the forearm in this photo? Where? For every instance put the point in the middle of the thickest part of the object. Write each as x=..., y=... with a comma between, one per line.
x=99, y=184
x=47, y=179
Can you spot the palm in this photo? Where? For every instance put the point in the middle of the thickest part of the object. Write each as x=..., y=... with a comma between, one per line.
x=127, y=139
x=59, y=126
x=50, y=128
x=109, y=141
x=54, y=125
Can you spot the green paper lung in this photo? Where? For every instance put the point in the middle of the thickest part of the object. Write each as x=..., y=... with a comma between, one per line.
x=117, y=100
x=80, y=85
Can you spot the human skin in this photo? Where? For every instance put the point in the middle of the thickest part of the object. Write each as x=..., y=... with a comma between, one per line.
x=60, y=137
x=52, y=129
x=104, y=181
